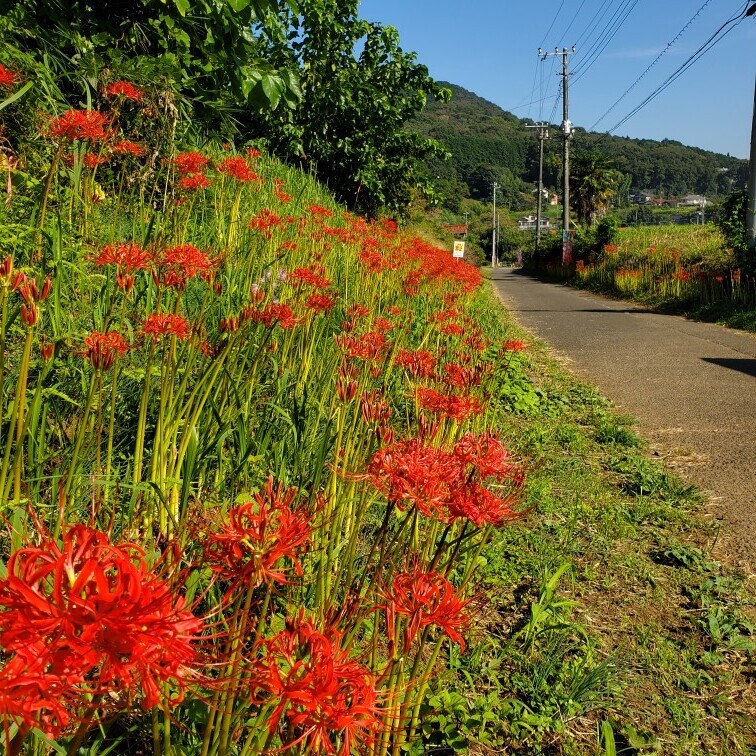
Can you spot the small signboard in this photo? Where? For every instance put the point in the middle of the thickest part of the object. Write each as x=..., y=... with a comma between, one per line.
x=459, y=249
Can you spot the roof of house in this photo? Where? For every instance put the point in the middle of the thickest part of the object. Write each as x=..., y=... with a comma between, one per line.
x=456, y=228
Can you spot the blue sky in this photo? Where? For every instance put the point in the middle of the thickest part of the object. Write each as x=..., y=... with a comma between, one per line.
x=490, y=47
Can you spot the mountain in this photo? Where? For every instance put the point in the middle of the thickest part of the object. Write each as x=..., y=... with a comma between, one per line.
x=489, y=144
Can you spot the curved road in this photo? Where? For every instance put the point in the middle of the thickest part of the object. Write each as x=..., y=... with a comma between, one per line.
x=691, y=385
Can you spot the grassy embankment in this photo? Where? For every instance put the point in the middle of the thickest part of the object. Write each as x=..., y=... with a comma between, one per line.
x=251, y=467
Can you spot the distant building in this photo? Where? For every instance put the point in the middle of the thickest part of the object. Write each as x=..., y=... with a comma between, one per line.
x=456, y=229
x=529, y=223
x=693, y=200
x=641, y=199
x=554, y=200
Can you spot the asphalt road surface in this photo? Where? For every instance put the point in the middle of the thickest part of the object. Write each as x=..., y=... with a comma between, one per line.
x=692, y=386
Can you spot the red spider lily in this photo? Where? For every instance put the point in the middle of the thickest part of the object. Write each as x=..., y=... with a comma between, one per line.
x=188, y=163
x=382, y=325
x=319, y=210
x=128, y=257
x=80, y=124
x=486, y=455
x=369, y=347
x=124, y=89
x=374, y=408
x=102, y=348
x=193, y=182
x=419, y=364
x=253, y=153
x=127, y=147
x=27, y=288
x=329, y=701
x=159, y=324
x=92, y=160
x=462, y=377
x=34, y=695
x=482, y=507
x=276, y=313
x=258, y=535
x=46, y=350
x=321, y=302
x=8, y=78
x=311, y=277
x=265, y=221
x=237, y=168
x=6, y=270
x=409, y=473
x=427, y=598
x=514, y=345
x=357, y=311
x=457, y=408
x=451, y=329
x=282, y=196
x=102, y=615
x=176, y=265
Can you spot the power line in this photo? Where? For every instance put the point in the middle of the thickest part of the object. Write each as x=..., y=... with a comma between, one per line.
x=553, y=21
x=606, y=38
x=574, y=18
x=655, y=61
x=716, y=37
x=597, y=16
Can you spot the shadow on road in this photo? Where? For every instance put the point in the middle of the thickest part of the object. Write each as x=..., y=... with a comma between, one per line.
x=603, y=310
x=742, y=365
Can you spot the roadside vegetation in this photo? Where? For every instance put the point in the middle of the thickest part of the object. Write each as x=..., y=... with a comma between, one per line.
x=277, y=478
x=690, y=270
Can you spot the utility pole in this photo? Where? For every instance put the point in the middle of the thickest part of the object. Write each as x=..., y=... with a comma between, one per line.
x=543, y=134
x=751, y=207
x=567, y=134
x=498, y=234
x=493, y=234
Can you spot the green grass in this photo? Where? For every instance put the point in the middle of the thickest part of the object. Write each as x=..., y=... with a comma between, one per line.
x=604, y=609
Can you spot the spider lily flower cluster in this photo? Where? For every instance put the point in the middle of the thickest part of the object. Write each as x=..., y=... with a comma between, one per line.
x=247, y=462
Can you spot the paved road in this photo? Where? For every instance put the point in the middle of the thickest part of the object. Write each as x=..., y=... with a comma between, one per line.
x=691, y=385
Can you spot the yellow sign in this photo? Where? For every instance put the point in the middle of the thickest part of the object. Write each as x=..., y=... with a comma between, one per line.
x=459, y=249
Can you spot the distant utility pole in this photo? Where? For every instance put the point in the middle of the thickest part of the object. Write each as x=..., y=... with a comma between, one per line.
x=567, y=134
x=543, y=134
x=493, y=235
x=751, y=207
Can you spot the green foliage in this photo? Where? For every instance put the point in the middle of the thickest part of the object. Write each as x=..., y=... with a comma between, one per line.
x=204, y=50
x=358, y=89
x=593, y=184
x=732, y=221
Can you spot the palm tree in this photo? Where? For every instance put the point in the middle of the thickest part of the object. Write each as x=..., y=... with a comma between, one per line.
x=593, y=184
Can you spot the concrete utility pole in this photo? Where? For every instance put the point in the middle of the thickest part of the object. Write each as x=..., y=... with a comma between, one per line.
x=751, y=207
x=493, y=234
x=567, y=134
x=543, y=134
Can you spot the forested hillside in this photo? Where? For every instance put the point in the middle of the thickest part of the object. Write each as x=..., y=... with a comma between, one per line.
x=489, y=144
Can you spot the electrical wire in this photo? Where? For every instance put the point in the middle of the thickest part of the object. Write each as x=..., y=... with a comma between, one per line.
x=716, y=37
x=569, y=26
x=597, y=16
x=655, y=61
x=553, y=21
x=606, y=39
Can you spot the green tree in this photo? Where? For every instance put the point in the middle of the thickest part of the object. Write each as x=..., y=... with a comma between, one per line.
x=359, y=88
x=593, y=183
x=205, y=51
